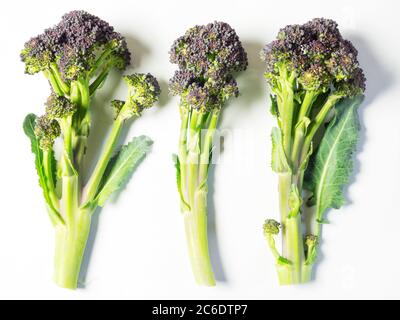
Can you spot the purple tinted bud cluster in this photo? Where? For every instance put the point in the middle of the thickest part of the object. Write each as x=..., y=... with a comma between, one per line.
x=207, y=56
x=58, y=107
x=46, y=130
x=209, y=48
x=317, y=55
x=144, y=90
x=74, y=44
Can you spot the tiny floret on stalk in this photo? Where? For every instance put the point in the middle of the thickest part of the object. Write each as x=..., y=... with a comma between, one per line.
x=271, y=227
x=58, y=107
x=46, y=130
x=143, y=92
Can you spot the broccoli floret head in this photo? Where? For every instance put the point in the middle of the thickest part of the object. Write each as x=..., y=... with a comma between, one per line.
x=271, y=227
x=311, y=240
x=58, y=107
x=207, y=57
x=74, y=45
x=208, y=50
x=46, y=130
x=318, y=57
x=143, y=92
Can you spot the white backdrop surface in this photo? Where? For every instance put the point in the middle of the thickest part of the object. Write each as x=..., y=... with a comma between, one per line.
x=139, y=250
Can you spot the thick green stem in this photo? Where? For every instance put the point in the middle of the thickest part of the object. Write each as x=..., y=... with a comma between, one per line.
x=207, y=146
x=70, y=247
x=197, y=240
x=308, y=100
x=183, y=155
x=194, y=172
x=286, y=108
x=193, y=155
x=292, y=237
x=74, y=93
x=84, y=122
x=97, y=175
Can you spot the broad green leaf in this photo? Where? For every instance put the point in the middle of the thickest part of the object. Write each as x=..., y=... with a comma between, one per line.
x=177, y=163
x=279, y=161
x=122, y=167
x=330, y=167
x=29, y=129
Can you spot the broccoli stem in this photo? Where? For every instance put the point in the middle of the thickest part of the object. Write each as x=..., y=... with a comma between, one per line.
x=183, y=153
x=57, y=76
x=317, y=122
x=50, y=190
x=70, y=245
x=99, y=80
x=92, y=185
x=197, y=240
x=194, y=155
x=51, y=185
x=286, y=108
x=84, y=121
x=293, y=248
x=308, y=101
x=53, y=82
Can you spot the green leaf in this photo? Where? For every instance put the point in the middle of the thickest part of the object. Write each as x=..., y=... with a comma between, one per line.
x=29, y=129
x=279, y=161
x=274, y=106
x=177, y=163
x=122, y=166
x=331, y=166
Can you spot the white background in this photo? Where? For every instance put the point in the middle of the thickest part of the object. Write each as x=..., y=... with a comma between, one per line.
x=139, y=251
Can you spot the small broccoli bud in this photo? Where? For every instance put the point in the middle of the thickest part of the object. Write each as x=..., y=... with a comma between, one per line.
x=271, y=227
x=198, y=98
x=58, y=107
x=181, y=81
x=311, y=242
x=315, y=78
x=144, y=91
x=352, y=87
x=46, y=130
x=230, y=88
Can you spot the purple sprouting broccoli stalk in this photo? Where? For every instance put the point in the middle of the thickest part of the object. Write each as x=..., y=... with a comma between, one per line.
x=208, y=56
x=315, y=79
x=76, y=55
